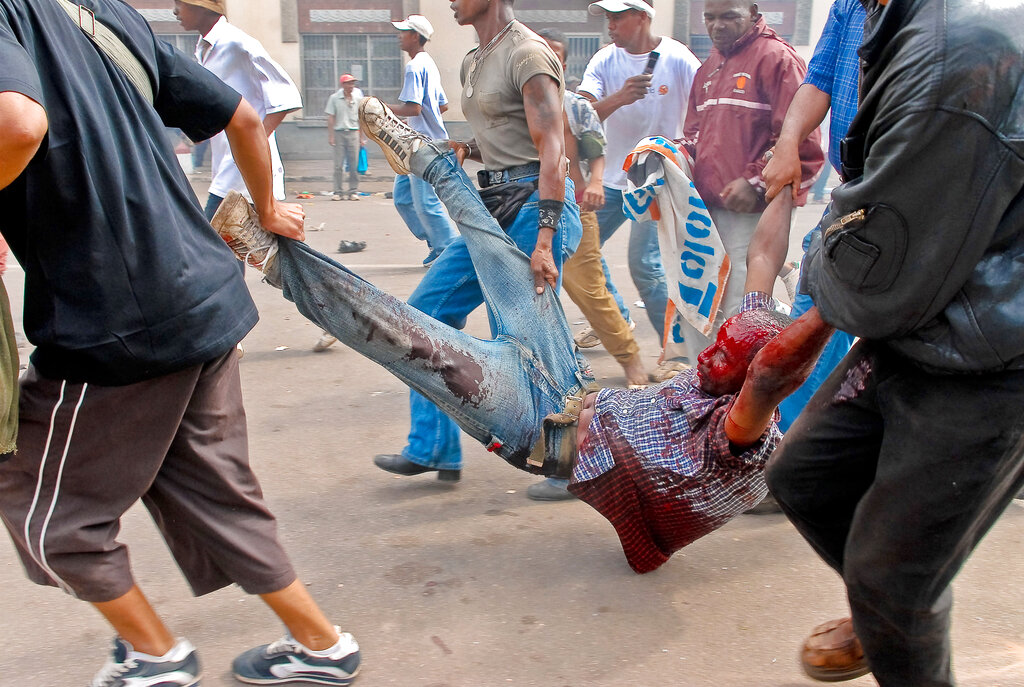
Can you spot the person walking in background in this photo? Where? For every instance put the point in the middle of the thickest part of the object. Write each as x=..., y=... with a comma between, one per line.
x=739, y=99
x=636, y=94
x=422, y=101
x=134, y=306
x=240, y=61
x=343, y=135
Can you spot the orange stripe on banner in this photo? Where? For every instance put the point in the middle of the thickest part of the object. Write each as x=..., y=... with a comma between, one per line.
x=655, y=211
x=670, y=315
x=723, y=282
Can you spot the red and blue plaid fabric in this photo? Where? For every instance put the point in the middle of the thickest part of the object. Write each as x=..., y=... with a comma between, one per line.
x=658, y=465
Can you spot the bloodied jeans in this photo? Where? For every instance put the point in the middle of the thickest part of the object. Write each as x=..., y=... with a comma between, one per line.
x=452, y=289
x=894, y=474
x=498, y=391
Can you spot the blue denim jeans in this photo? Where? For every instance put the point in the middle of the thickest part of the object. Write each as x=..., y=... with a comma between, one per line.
x=451, y=290
x=644, y=259
x=423, y=212
x=836, y=348
x=498, y=391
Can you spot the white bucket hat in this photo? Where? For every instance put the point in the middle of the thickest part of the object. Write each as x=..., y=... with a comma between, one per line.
x=417, y=23
x=598, y=8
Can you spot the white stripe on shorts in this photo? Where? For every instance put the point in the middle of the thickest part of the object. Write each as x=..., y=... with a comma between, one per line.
x=41, y=558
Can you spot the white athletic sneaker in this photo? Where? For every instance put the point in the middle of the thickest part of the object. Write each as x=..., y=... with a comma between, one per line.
x=286, y=660
x=237, y=223
x=126, y=667
x=397, y=139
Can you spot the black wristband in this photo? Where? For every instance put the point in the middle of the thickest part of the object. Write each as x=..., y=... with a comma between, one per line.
x=550, y=212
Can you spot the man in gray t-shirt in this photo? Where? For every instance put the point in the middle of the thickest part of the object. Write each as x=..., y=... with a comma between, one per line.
x=512, y=89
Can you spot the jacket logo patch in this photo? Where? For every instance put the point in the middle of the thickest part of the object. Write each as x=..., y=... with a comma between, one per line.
x=742, y=81
x=663, y=89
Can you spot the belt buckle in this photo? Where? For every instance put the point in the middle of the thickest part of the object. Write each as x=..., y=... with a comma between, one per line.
x=490, y=177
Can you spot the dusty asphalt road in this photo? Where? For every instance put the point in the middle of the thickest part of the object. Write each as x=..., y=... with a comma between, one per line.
x=474, y=585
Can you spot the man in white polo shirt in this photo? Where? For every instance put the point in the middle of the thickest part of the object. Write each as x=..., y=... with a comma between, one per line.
x=635, y=99
x=422, y=101
x=240, y=61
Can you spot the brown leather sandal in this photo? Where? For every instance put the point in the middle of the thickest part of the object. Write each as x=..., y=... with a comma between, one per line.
x=833, y=653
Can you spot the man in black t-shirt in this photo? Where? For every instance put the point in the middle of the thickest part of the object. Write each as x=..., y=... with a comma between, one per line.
x=133, y=389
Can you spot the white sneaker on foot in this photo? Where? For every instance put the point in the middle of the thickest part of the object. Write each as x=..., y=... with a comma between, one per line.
x=237, y=223
x=286, y=660
x=397, y=139
x=127, y=667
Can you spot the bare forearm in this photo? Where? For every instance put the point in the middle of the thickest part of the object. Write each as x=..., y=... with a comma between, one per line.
x=805, y=114
x=406, y=109
x=24, y=124
x=767, y=250
x=545, y=119
x=251, y=152
x=273, y=120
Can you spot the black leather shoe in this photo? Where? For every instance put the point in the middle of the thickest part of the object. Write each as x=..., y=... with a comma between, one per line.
x=400, y=465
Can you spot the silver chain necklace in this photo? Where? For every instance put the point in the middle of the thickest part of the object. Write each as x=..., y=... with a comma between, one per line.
x=480, y=54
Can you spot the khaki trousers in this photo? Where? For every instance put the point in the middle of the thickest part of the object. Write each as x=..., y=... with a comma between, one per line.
x=583, y=279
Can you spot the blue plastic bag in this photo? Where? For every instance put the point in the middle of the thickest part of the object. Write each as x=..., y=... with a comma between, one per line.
x=364, y=161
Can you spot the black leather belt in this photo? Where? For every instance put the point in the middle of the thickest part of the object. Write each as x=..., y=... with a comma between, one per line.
x=492, y=177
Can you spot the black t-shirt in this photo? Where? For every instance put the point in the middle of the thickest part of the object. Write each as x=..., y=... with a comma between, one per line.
x=124, y=278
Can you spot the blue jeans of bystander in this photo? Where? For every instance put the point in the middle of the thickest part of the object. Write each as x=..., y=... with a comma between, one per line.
x=423, y=212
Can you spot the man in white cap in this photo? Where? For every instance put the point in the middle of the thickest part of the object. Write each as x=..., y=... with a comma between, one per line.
x=635, y=98
x=423, y=101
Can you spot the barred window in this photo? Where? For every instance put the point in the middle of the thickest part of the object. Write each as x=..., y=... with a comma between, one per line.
x=581, y=48
x=375, y=60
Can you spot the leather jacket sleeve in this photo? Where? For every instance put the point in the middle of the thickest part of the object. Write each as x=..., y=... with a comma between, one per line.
x=903, y=252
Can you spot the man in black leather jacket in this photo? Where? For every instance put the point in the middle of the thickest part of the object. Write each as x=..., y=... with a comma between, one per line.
x=911, y=450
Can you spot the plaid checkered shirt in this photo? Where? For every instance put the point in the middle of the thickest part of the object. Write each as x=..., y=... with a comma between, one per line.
x=835, y=68
x=658, y=465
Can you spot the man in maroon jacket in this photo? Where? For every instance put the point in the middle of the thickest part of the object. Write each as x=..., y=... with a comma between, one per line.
x=737, y=104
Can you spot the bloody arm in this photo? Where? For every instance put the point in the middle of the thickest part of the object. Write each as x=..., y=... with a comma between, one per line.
x=777, y=370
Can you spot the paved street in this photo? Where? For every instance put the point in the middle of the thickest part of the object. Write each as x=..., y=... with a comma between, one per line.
x=473, y=585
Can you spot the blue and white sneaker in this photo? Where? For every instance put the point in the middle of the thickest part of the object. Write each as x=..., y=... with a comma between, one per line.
x=286, y=660
x=431, y=257
x=179, y=667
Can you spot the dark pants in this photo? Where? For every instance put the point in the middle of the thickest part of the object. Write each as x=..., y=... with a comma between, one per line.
x=894, y=475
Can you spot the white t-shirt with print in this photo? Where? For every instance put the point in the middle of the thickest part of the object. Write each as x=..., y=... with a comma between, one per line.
x=660, y=112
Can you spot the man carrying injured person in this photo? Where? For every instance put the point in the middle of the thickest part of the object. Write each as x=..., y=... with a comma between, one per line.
x=665, y=465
